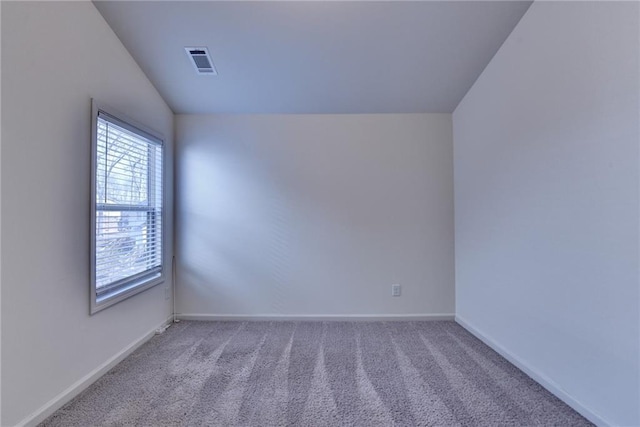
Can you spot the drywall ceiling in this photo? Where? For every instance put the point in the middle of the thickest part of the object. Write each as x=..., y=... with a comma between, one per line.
x=314, y=57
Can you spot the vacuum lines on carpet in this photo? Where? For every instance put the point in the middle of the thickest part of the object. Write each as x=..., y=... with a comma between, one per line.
x=315, y=374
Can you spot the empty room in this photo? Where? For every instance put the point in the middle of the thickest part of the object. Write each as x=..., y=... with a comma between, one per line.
x=320, y=213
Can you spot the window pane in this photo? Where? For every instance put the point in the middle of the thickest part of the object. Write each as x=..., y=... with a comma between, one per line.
x=127, y=243
x=128, y=206
x=122, y=175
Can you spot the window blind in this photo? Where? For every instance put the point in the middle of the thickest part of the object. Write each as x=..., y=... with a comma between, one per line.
x=128, y=207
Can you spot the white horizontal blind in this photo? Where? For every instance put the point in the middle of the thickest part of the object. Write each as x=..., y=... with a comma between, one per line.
x=128, y=231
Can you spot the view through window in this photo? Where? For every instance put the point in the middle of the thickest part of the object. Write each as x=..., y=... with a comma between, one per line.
x=128, y=209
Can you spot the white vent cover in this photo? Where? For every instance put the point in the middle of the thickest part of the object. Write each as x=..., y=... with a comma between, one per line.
x=201, y=60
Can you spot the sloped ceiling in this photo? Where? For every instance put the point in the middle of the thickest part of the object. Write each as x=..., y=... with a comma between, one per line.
x=314, y=57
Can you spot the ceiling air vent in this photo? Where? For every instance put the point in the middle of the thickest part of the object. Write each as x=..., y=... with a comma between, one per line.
x=201, y=60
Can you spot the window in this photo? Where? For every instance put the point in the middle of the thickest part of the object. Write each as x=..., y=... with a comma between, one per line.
x=127, y=204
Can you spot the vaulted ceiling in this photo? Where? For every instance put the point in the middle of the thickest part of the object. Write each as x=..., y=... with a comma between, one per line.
x=314, y=56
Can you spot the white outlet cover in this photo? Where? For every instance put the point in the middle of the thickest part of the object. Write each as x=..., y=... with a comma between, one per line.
x=396, y=290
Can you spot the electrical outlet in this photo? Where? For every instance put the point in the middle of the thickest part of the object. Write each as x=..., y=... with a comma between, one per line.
x=167, y=294
x=395, y=290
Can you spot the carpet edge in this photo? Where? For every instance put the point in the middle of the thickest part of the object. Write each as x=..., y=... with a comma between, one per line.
x=315, y=317
x=550, y=385
x=83, y=383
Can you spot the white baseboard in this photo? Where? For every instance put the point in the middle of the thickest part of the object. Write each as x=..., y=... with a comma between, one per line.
x=75, y=389
x=316, y=317
x=541, y=379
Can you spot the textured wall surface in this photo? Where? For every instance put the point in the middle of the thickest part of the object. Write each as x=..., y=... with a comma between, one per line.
x=314, y=214
x=56, y=56
x=546, y=200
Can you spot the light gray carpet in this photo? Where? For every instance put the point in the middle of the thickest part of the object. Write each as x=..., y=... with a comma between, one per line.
x=315, y=374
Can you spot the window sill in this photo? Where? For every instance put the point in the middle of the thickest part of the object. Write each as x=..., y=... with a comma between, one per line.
x=134, y=288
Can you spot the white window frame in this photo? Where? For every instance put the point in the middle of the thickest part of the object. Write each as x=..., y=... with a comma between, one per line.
x=133, y=284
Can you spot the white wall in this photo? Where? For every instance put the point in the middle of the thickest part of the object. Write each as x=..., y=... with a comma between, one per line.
x=314, y=214
x=0, y=229
x=547, y=203
x=55, y=57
